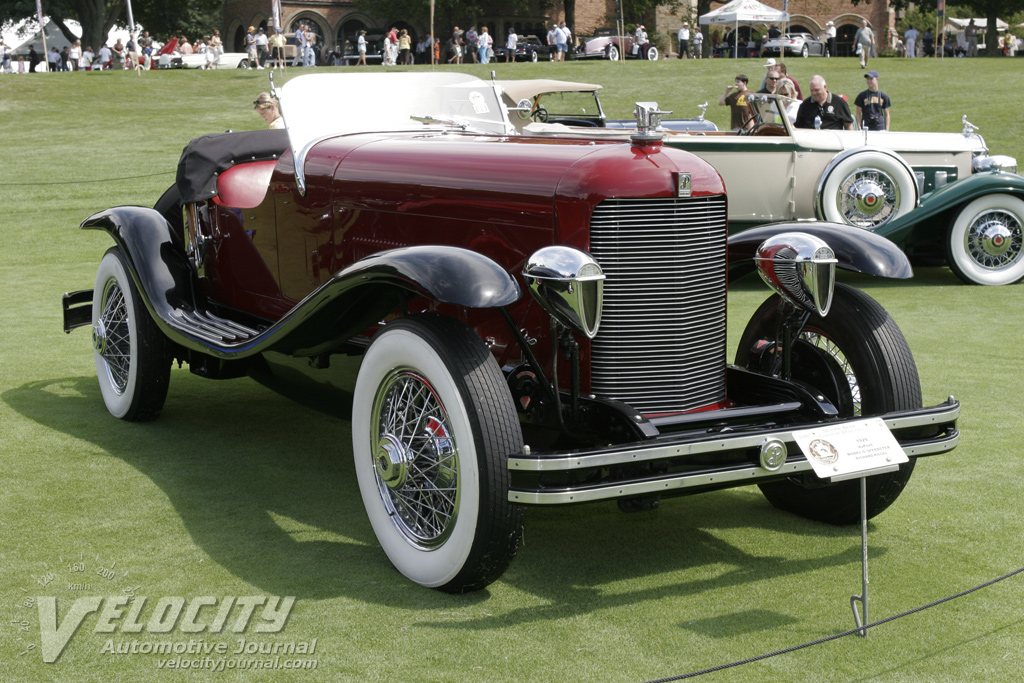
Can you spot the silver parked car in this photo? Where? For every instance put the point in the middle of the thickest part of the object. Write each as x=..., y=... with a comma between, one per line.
x=793, y=45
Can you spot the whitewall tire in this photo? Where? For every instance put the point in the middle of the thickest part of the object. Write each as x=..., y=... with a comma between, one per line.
x=133, y=359
x=985, y=242
x=432, y=425
x=867, y=190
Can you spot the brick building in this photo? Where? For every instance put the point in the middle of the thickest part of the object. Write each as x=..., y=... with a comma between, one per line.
x=335, y=21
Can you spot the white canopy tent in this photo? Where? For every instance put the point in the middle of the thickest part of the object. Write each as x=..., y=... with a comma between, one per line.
x=743, y=13
x=982, y=24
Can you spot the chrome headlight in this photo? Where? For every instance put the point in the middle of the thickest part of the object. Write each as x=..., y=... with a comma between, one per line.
x=800, y=267
x=998, y=162
x=569, y=284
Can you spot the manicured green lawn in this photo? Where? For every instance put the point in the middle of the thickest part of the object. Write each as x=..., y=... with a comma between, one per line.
x=236, y=491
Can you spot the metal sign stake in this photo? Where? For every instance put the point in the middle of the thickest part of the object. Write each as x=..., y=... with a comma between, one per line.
x=861, y=618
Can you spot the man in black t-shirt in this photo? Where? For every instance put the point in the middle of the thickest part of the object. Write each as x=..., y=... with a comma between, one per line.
x=832, y=112
x=872, y=105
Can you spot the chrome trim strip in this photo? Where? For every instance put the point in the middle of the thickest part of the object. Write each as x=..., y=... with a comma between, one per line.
x=737, y=477
x=644, y=452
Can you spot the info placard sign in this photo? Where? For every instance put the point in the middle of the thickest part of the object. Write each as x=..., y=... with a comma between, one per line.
x=851, y=449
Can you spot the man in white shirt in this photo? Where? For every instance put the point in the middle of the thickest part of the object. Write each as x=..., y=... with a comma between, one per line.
x=830, y=37
x=684, y=41
x=562, y=39
x=911, y=37
x=510, y=45
x=300, y=44
x=105, y=56
x=262, y=47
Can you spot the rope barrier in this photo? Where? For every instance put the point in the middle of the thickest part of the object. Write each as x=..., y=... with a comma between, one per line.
x=79, y=182
x=826, y=639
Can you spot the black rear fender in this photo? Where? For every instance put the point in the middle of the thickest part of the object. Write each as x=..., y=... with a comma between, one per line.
x=349, y=301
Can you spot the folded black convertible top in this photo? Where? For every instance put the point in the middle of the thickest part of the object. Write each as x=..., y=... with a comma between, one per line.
x=206, y=157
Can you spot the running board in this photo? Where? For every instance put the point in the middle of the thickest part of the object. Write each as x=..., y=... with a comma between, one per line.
x=212, y=328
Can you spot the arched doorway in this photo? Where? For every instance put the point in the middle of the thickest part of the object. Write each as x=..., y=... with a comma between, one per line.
x=844, y=40
x=238, y=40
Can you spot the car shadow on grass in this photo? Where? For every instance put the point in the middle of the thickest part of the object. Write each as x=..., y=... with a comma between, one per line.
x=266, y=488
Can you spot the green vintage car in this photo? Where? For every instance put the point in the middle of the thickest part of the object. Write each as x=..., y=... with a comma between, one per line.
x=940, y=196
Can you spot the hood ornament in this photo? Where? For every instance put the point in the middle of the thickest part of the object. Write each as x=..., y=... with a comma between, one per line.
x=648, y=120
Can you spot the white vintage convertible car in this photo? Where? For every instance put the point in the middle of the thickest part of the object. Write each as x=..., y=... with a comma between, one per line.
x=227, y=60
x=940, y=196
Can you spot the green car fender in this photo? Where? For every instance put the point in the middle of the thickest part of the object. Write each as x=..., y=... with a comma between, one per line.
x=929, y=221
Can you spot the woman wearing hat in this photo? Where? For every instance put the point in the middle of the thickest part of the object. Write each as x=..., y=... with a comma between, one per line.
x=250, y=47
x=830, y=37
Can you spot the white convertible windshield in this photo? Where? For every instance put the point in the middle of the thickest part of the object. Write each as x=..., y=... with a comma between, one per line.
x=318, y=106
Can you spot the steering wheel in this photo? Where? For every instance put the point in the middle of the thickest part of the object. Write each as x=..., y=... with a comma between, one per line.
x=540, y=114
x=750, y=131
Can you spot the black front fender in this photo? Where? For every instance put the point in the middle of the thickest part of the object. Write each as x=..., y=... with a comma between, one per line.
x=349, y=301
x=856, y=250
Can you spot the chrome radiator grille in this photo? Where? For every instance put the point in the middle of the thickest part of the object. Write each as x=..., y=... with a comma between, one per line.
x=661, y=345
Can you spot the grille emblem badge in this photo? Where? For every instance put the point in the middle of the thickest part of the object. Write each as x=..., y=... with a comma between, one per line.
x=683, y=189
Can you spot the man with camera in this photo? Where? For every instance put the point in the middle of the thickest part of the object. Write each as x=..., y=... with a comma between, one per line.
x=872, y=105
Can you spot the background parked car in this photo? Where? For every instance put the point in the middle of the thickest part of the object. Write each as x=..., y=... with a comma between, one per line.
x=374, y=48
x=608, y=44
x=794, y=45
x=528, y=49
x=551, y=101
x=940, y=196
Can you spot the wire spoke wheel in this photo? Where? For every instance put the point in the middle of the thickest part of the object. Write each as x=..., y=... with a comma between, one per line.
x=133, y=357
x=994, y=239
x=985, y=244
x=416, y=460
x=866, y=189
x=831, y=350
x=433, y=423
x=111, y=336
x=868, y=198
x=859, y=360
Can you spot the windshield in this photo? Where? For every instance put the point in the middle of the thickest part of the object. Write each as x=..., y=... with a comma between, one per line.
x=318, y=106
x=569, y=104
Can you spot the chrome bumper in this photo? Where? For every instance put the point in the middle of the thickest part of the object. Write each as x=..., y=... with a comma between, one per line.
x=728, y=445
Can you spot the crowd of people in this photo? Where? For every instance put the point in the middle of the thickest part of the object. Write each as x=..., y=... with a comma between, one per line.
x=822, y=110
x=140, y=51
x=469, y=46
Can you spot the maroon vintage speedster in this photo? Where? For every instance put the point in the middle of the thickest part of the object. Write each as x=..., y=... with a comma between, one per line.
x=403, y=253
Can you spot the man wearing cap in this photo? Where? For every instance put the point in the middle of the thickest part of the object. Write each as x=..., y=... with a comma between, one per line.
x=769, y=66
x=872, y=105
x=262, y=47
x=830, y=37
x=684, y=41
x=831, y=112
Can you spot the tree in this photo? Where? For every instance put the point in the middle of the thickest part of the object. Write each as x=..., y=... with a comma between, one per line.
x=450, y=13
x=991, y=9
x=97, y=17
x=194, y=18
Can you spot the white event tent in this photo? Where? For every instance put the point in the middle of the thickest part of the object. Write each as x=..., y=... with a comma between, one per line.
x=743, y=13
